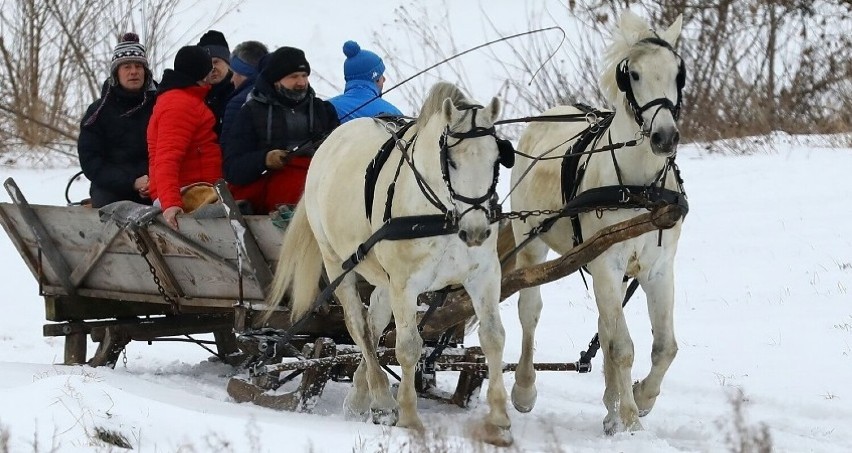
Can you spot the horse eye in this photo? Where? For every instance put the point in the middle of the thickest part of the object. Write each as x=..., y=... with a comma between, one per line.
x=634, y=75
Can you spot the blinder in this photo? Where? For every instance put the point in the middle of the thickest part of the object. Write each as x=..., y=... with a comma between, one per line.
x=507, y=152
x=622, y=80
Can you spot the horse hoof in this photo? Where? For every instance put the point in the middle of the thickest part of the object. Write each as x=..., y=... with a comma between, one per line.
x=644, y=412
x=386, y=417
x=524, y=398
x=614, y=425
x=497, y=435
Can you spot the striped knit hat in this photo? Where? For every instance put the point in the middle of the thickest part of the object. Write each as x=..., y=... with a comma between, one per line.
x=127, y=51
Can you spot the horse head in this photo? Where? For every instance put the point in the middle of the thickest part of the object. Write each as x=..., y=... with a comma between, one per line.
x=645, y=74
x=469, y=165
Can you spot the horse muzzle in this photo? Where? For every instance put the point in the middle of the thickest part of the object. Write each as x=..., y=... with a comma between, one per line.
x=664, y=141
x=474, y=237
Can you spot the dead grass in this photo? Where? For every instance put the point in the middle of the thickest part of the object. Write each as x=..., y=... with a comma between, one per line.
x=742, y=436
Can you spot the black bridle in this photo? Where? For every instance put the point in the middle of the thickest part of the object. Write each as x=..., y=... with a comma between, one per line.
x=490, y=196
x=623, y=80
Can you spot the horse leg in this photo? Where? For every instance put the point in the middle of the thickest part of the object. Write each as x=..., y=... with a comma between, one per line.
x=617, y=348
x=382, y=404
x=409, y=347
x=357, y=402
x=659, y=289
x=524, y=393
x=485, y=295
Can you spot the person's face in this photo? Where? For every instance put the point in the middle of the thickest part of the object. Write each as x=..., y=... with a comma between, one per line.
x=238, y=79
x=220, y=71
x=131, y=76
x=381, y=83
x=295, y=81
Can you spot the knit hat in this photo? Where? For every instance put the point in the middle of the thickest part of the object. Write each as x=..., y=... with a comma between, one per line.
x=194, y=62
x=214, y=42
x=285, y=61
x=361, y=64
x=128, y=50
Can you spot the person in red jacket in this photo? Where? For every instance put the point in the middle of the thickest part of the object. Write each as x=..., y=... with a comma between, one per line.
x=182, y=145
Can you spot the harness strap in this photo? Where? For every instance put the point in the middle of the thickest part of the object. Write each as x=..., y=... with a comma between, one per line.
x=375, y=166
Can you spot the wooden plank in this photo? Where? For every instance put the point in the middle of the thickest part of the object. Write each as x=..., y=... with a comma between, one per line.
x=110, y=348
x=168, y=326
x=75, y=349
x=144, y=328
x=156, y=260
x=245, y=240
x=51, y=253
x=12, y=231
x=108, y=234
x=116, y=296
x=80, y=308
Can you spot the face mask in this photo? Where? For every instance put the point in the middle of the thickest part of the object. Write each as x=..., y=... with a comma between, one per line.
x=292, y=95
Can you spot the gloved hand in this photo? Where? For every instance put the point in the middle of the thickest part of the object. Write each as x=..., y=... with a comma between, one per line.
x=275, y=159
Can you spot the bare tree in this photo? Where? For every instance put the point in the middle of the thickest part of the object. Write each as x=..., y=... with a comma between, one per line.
x=754, y=66
x=54, y=58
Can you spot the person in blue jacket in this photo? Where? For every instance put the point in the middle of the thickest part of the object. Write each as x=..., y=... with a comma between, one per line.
x=364, y=74
x=245, y=64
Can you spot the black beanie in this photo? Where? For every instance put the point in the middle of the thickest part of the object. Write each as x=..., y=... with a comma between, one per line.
x=193, y=62
x=285, y=61
x=215, y=43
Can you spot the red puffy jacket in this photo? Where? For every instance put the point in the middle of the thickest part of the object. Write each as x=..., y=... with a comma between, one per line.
x=182, y=145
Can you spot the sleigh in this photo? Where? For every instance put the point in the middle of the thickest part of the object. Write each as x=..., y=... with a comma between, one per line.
x=121, y=274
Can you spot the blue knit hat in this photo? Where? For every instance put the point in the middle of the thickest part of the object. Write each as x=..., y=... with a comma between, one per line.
x=361, y=64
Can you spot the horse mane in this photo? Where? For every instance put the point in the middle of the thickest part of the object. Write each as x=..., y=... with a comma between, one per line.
x=435, y=99
x=630, y=30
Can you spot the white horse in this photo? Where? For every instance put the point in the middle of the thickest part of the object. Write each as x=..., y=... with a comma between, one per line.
x=643, y=77
x=455, y=155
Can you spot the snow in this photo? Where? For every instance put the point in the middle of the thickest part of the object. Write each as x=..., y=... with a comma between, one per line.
x=762, y=306
x=763, y=272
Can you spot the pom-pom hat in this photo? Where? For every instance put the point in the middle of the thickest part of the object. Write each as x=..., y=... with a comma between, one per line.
x=361, y=64
x=128, y=50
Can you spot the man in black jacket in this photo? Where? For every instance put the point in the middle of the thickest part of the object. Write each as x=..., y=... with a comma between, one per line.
x=220, y=79
x=269, y=147
x=112, y=144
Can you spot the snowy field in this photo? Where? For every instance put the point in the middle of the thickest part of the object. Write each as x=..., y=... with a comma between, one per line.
x=762, y=307
x=763, y=272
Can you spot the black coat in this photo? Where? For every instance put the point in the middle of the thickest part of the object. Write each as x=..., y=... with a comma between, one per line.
x=267, y=121
x=235, y=102
x=112, y=145
x=217, y=99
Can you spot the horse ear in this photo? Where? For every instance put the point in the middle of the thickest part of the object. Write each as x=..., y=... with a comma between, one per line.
x=448, y=109
x=631, y=26
x=673, y=33
x=494, y=108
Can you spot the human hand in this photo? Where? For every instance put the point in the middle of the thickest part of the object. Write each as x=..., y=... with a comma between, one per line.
x=170, y=214
x=141, y=185
x=275, y=159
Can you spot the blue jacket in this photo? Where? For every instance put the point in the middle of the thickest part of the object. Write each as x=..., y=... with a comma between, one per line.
x=235, y=101
x=356, y=93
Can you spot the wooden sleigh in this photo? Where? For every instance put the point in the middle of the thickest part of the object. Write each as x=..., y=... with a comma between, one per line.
x=121, y=274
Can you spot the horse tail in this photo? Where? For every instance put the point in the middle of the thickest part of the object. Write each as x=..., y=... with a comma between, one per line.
x=299, y=267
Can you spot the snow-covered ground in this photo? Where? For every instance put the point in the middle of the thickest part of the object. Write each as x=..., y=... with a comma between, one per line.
x=763, y=272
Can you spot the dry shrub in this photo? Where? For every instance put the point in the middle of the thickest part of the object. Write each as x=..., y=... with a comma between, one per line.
x=754, y=66
x=55, y=54
x=740, y=435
